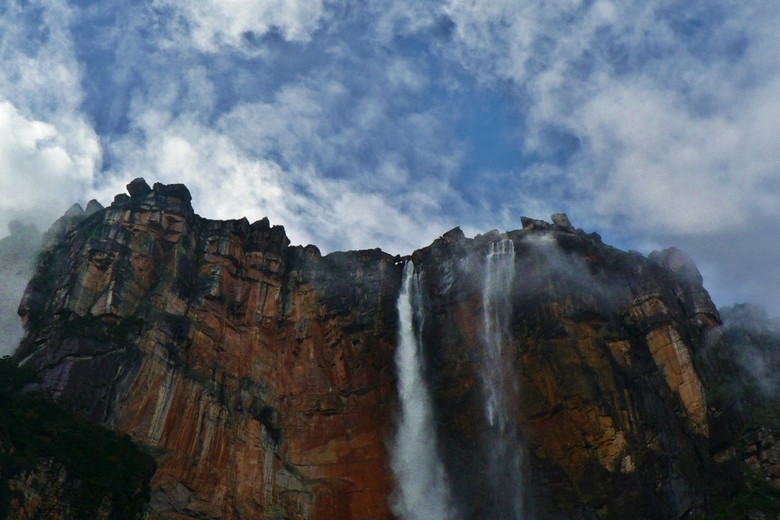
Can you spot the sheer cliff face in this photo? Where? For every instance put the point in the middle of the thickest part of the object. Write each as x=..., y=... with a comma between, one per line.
x=262, y=377
x=600, y=345
x=259, y=373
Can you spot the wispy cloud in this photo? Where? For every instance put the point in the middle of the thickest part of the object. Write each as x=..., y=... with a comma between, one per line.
x=49, y=153
x=212, y=25
x=652, y=122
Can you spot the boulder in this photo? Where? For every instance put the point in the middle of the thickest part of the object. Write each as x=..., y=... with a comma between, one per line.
x=561, y=222
x=93, y=206
x=530, y=224
x=178, y=191
x=453, y=235
x=138, y=187
x=121, y=198
x=75, y=211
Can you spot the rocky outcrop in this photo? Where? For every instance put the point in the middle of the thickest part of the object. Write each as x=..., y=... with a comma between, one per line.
x=262, y=377
x=561, y=222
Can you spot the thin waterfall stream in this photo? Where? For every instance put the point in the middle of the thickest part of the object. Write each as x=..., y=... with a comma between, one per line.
x=422, y=491
x=499, y=381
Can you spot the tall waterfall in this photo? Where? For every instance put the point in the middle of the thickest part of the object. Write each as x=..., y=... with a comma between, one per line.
x=422, y=491
x=500, y=382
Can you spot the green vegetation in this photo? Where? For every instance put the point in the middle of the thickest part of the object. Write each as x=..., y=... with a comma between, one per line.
x=74, y=325
x=100, y=464
x=758, y=496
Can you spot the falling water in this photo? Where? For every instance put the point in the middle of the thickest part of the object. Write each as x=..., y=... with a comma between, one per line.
x=499, y=382
x=422, y=489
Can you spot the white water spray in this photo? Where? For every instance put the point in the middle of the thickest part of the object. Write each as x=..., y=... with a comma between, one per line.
x=422, y=491
x=499, y=381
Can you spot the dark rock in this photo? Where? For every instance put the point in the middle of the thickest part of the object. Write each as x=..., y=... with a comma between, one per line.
x=532, y=224
x=178, y=191
x=561, y=222
x=679, y=263
x=263, y=223
x=121, y=198
x=138, y=187
x=696, y=299
x=75, y=211
x=453, y=235
x=595, y=237
x=93, y=206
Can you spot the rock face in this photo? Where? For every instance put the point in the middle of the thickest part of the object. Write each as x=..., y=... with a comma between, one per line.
x=262, y=374
x=610, y=404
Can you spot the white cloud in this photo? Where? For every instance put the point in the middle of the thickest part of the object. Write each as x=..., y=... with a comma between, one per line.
x=673, y=138
x=216, y=24
x=49, y=154
x=39, y=66
x=44, y=168
x=351, y=137
x=326, y=152
x=675, y=172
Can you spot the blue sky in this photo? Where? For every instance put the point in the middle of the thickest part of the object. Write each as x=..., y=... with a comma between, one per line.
x=385, y=123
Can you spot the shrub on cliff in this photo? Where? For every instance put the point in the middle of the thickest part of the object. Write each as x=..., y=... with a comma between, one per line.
x=105, y=473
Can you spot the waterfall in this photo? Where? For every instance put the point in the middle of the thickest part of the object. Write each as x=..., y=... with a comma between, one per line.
x=496, y=308
x=422, y=491
x=500, y=382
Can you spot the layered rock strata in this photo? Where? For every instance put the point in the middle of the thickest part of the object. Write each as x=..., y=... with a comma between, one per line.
x=261, y=374
x=610, y=404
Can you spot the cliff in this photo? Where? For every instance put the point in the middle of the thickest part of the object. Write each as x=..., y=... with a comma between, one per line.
x=258, y=372
x=262, y=375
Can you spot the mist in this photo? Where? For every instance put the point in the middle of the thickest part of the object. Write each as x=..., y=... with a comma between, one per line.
x=753, y=340
x=18, y=252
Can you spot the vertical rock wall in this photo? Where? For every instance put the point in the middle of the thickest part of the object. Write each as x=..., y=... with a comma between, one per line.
x=259, y=374
x=262, y=378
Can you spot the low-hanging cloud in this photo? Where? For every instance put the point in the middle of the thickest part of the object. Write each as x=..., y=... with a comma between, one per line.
x=45, y=167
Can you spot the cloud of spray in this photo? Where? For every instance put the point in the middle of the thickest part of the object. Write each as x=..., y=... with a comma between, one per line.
x=17, y=258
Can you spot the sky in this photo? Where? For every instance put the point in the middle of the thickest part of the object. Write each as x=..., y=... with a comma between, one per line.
x=368, y=123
